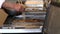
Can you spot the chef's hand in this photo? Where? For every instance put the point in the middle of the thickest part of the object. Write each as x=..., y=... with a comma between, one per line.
x=16, y=6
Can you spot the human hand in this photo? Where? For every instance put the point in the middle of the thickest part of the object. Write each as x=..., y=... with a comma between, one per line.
x=18, y=7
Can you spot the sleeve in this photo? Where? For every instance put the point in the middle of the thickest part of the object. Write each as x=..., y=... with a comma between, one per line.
x=1, y=2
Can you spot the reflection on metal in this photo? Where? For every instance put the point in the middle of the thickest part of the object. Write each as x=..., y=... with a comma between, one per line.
x=20, y=31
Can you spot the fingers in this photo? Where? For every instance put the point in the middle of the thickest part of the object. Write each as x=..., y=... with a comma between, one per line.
x=17, y=7
x=20, y=8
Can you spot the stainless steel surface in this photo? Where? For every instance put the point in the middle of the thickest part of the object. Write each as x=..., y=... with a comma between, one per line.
x=12, y=29
x=35, y=12
x=20, y=30
x=42, y=17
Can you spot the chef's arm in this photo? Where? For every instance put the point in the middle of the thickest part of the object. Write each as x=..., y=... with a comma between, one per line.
x=7, y=5
x=15, y=6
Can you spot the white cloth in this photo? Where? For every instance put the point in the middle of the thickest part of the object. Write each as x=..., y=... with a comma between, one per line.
x=1, y=2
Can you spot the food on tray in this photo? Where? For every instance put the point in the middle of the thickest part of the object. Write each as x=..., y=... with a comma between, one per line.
x=27, y=20
x=34, y=20
x=18, y=21
x=34, y=4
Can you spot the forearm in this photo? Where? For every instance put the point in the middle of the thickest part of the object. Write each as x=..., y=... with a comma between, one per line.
x=7, y=5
